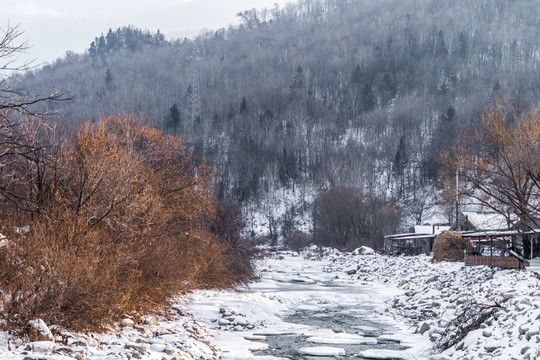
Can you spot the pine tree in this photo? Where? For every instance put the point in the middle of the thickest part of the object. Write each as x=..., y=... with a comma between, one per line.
x=400, y=164
x=299, y=81
x=356, y=75
x=243, y=105
x=172, y=120
x=440, y=45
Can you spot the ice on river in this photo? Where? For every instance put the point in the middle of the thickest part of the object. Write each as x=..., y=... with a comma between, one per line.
x=321, y=351
x=342, y=338
x=335, y=309
x=387, y=354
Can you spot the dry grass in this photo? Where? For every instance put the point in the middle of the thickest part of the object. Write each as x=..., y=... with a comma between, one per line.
x=449, y=246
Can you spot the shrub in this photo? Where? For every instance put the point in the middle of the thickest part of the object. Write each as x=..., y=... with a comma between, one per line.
x=345, y=217
x=297, y=240
x=449, y=246
x=121, y=218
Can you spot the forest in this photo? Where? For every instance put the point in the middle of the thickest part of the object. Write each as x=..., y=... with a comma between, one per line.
x=294, y=102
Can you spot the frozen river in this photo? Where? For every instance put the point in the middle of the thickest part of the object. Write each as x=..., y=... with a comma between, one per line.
x=298, y=310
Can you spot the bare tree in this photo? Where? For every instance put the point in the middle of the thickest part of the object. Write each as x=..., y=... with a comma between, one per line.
x=498, y=163
x=11, y=97
x=26, y=145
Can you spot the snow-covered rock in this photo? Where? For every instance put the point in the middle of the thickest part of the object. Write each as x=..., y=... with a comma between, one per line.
x=40, y=331
x=364, y=250
x=127, y=323
x=41, y=347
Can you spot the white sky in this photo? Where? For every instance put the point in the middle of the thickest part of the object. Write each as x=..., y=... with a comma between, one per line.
x=53, y=27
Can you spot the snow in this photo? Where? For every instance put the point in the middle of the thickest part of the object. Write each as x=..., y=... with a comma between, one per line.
x=430, y=229
x=289, y=283
x=164, y=337
x=387, y=354
x=486, y=220
x=342, y=338
x=418, y=300
x=321, y=351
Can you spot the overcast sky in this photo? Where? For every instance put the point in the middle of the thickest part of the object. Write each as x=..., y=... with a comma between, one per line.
x=53, y=27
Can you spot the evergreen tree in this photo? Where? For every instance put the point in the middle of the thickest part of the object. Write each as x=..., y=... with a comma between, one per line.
x=101, y=44
x=449, y=114
x=108, y=78
x=463, y=46
x=401, y=158
x=299, y=80
x=368, y=98
x=172, y=120
x=92, y=51
x=356, y=75
x=243, y=105
x=440, y=46
x=399, y=166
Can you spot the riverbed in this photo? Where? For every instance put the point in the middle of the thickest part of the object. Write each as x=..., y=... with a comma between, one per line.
x=298, y=310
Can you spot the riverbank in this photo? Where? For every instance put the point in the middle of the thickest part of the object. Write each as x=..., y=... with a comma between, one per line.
x=328, y=303
x=465, y=312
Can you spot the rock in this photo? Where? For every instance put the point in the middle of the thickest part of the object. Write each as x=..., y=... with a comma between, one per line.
x=350, y=271
x=491, y=347
x=136, y=347
x=432, y=279
x=403, y=283
x=150, y=320
x=92, y=342
x=169, y=350
x=523, y=329
x=364, y=250
x=42, y=346
x=127, y=323
x=424, y=327
x=532, y=333
x=525, y=349
x=241, y=321
x=224, y=322
x=158, y=347
x=487, y=333
x=507, y=296
x=39, y=331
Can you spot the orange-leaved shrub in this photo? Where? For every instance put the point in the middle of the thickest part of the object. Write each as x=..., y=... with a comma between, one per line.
x=121, y=217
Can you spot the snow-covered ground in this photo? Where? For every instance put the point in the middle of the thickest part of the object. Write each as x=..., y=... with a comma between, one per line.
x=172, y=335
x=436, y=310
x=497, y=311
x=277, y=316
x=323, y=303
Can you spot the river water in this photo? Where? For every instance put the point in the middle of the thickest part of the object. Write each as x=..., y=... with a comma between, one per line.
x=296, y=305
x=356, y=318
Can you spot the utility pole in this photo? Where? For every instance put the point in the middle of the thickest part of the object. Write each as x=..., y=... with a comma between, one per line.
x=193, y=96
x=457, y=199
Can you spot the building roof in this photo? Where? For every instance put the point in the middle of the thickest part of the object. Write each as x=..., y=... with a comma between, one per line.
x=486, y=220
x=430, y=229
